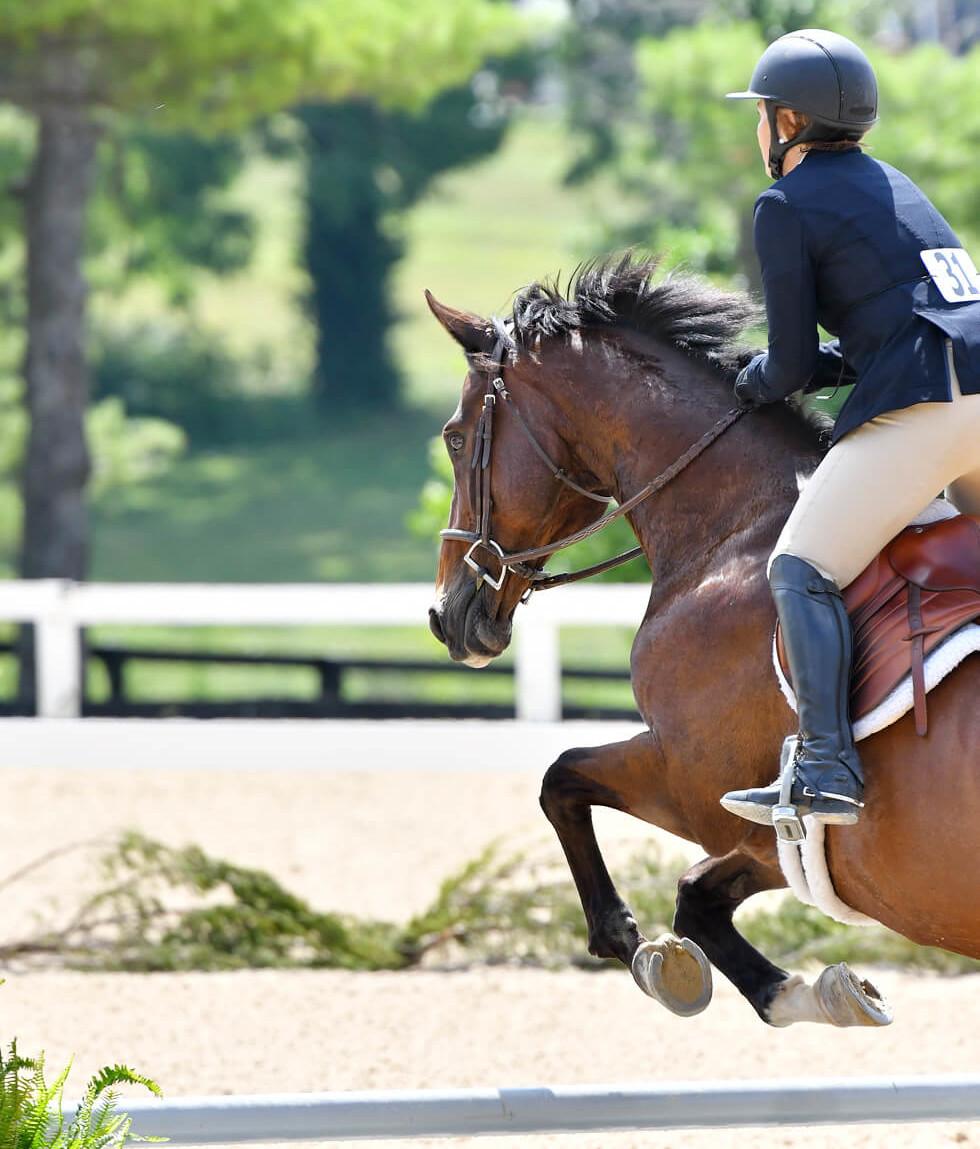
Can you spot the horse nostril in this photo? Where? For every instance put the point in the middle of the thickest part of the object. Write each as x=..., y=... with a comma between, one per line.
x=435, y=624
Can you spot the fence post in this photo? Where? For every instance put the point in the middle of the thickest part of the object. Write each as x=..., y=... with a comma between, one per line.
x=537, y=670
x=58, y=655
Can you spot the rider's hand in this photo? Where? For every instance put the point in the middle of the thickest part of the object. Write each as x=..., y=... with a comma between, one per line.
x=745, y=393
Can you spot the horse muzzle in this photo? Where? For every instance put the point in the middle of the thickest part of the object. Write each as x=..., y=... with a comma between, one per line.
x=461, y=621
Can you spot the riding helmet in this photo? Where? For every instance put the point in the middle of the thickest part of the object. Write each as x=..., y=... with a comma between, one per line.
x=822, y=74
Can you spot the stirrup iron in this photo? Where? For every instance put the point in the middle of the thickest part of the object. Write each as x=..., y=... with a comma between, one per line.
x=786, y=820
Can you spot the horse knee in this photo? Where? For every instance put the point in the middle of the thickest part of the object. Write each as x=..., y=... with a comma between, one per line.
x=698, y=898
x=689, y=906
x=561, y=787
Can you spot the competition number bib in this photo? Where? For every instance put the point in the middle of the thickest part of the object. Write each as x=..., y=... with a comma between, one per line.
x=952, y=271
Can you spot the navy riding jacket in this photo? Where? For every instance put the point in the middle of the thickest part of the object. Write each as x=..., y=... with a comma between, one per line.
x=838, y=241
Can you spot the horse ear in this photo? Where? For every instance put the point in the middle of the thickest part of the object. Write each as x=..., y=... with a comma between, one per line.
x=472, y=333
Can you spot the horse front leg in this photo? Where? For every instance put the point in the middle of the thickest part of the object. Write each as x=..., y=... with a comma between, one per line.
x=672, y=970
x=708, y=895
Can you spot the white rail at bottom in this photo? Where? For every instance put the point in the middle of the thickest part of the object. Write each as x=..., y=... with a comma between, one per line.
x=558, y=1109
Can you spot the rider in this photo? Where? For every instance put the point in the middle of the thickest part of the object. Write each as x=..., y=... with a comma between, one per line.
x=851, y=243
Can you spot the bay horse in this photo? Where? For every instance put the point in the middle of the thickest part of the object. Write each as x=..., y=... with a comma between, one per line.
x=593, y=391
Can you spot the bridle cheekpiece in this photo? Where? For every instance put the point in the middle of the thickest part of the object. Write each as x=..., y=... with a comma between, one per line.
x=520, y=561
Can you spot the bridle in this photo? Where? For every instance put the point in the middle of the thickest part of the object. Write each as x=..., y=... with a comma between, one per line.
x=520, y=561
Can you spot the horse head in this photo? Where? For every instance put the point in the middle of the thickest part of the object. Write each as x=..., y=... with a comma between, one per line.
x=507, y=439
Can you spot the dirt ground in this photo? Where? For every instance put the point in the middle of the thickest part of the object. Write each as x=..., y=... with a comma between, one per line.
x=378, y=844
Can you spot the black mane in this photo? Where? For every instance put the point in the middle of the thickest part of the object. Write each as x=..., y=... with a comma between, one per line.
x=626, y=292
x=623, y=292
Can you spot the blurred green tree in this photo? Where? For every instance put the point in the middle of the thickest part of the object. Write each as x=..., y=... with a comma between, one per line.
x=366, y=165
x=157, y=211
x=597, y=62
x=201, y=65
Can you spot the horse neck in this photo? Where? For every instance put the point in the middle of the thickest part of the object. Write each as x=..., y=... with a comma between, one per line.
x=648, y=408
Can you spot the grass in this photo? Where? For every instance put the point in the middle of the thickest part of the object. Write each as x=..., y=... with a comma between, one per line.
x=327, y=508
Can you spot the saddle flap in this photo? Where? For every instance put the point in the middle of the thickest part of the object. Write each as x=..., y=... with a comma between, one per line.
x=943, y=560
x=940, y=556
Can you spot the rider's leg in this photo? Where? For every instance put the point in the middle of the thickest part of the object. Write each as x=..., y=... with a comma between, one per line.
x=828, y=781
x=875, y=480
x=867, y=489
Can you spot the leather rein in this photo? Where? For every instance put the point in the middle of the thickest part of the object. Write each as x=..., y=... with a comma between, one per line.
x=519, y=561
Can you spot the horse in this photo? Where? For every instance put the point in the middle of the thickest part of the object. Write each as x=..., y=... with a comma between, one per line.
x=618, y=388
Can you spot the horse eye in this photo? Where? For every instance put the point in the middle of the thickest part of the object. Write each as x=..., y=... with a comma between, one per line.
x=456, y=442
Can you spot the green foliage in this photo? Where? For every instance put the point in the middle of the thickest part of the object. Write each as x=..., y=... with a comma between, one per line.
x=16, y=147
x=186, y=375
x=222, y=63
x=432, y=512
x=162, y=908
x=128, y=450
x=930, y=114
x=158, y=210
x=596, y=56
x=697, y=158
x=245, y=918
x=31, y=1108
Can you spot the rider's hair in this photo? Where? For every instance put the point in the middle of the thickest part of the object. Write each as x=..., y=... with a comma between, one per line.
x=840, y=141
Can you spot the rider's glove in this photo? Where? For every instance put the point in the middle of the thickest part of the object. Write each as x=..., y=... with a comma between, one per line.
x=747, y=384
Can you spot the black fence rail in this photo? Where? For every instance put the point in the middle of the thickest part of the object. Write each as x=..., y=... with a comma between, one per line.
x=333, y=698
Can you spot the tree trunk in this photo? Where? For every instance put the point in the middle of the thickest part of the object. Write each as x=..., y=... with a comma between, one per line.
x=349, y=258
x=56, y=465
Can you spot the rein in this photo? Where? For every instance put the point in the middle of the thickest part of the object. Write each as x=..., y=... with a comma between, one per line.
x=518, y=561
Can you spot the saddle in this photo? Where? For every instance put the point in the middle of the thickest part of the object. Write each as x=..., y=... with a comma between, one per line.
x=923, y=586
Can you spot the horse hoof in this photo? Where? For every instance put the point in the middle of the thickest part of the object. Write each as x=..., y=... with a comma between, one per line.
x=849, y=1000
x=675, y=972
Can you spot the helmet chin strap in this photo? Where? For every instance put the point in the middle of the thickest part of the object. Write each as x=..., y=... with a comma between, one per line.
x=779, y=147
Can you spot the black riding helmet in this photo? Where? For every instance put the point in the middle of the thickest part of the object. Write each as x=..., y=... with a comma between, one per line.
x=822, y=74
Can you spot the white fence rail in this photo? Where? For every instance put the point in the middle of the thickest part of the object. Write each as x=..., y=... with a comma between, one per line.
x=559, y=1109
x=60, y=608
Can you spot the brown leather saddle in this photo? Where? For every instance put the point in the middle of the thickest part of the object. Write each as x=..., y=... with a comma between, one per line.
x=921, y=588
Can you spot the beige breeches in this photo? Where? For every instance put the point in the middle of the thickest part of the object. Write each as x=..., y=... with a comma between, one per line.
x=875, y=480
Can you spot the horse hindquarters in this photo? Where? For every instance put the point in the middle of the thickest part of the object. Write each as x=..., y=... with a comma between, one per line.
x=911, y=861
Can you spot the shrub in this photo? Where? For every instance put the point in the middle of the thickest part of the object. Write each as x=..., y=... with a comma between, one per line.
x=31, y=1114
x=162, y=908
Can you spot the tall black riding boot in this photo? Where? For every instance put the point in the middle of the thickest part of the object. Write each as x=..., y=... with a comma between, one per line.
x=827, y=780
